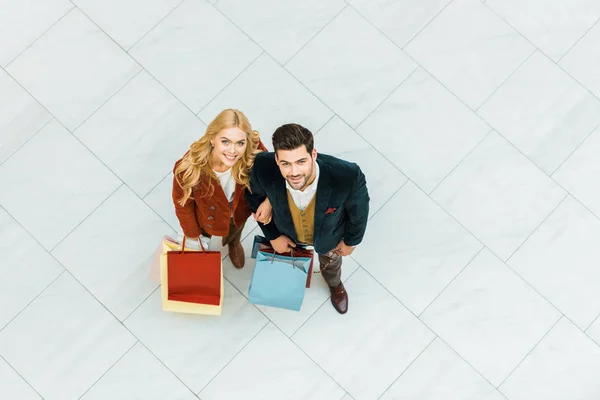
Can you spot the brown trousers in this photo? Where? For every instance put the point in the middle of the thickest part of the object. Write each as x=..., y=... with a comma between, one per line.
x=233, y=237
x=331, y=268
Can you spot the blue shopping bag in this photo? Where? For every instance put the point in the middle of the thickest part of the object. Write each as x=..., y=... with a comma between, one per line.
x=278, y=281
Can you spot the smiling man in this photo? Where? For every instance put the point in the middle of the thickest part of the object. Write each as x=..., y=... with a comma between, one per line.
x=318, y=200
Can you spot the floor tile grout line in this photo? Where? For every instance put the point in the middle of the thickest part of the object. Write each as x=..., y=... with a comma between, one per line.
x=154, y=26
x=160, y=361
x=592, y=323
x=537, y=228
x=407, y=367
x=542, y=52
x=282, y=67
x=426, y=25
x=155, y=186
x=315, y=35
x=318, y=308
x=386, y=98
x=574, y=151
x=267, y=322
x=389, y=199
x=577, y=41
x=231, y=82
x=40, y=36
x=425, y=324
x=141, y=303
x=325, y=124
x=529, y=353
x=36, y=296
x=108, y=370
x=460, y=162
x=132, y=58
x=387, y=36
x=86, y=217
x=452, y=281
x=50, y=119
x=462, y=358
x=22, y=377
x=292, y=341
x=118, y=91
x=508, y=78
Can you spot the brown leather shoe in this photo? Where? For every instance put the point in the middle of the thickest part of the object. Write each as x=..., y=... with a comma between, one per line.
x=339, y=298
x=236, y=255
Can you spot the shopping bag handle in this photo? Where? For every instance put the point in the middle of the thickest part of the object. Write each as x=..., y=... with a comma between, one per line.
x=199, y=241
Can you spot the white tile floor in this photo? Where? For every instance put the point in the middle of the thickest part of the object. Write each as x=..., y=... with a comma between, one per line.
x=476, y=123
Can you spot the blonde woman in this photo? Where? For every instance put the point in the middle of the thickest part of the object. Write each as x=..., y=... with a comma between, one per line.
x=210, y=181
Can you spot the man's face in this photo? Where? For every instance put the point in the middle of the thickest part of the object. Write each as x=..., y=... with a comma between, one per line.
x=297, y=166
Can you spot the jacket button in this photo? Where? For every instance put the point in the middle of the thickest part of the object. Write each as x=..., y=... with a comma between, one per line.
x=209, y=226
x=210, y=217
x=212, y=208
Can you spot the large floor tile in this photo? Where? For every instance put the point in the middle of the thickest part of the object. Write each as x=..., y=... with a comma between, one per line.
x=425, y=252
x=64, y=341
x=561, y=261
x=140, y=132
x=440, y=374
x=470, y=50
x=195, y=52
x=552, y=26
x=579, y=174
x=543, y=111
x=160, y=199
x=111, y=251
x=498, y=195
x=314, y=297
x=399, y=20
x=126, y=21
x=281, y=27
x=284, y=372
x=351, y=66
x=490, y=317
x=583, y=60
x=421, y=121
x=26, y=268
x=57, y=188
x=139, y=375
x=270, y=97
x=383, y=178
x=382, y=334
x=20, y=116
x=12, y=386
x=73, y=69
x=196, y=347
x=23, y=21
x=564, y=365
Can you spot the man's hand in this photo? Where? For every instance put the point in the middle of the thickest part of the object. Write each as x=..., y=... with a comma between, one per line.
x=282, y=244
x=342, y=250
x=264, y=212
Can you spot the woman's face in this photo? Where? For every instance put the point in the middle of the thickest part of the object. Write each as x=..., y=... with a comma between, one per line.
x=229, y=146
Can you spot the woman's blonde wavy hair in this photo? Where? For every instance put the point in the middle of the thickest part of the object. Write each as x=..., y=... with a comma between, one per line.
x=195, y=165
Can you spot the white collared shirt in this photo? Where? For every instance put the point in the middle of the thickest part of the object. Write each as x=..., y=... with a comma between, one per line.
x=302, y=198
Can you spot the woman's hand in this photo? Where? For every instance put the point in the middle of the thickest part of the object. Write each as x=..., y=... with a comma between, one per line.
x=264, y=212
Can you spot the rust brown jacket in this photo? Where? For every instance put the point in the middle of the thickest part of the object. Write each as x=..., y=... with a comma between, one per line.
x=211, y=213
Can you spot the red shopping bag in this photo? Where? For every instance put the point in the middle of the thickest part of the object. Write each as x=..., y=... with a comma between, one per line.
x=296, y=252
x=194, y=276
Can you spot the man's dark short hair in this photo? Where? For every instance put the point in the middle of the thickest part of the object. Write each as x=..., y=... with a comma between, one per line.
x=291, y=137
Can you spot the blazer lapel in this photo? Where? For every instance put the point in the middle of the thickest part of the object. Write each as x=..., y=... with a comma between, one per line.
x=279, y=196
x=323, y=194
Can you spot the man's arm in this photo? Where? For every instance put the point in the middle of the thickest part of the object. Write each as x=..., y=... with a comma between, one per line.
x=357, y=208
x=255, y=197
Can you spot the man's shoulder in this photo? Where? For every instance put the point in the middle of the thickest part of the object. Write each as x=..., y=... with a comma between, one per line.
x=338, y=167
x=264, y=162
